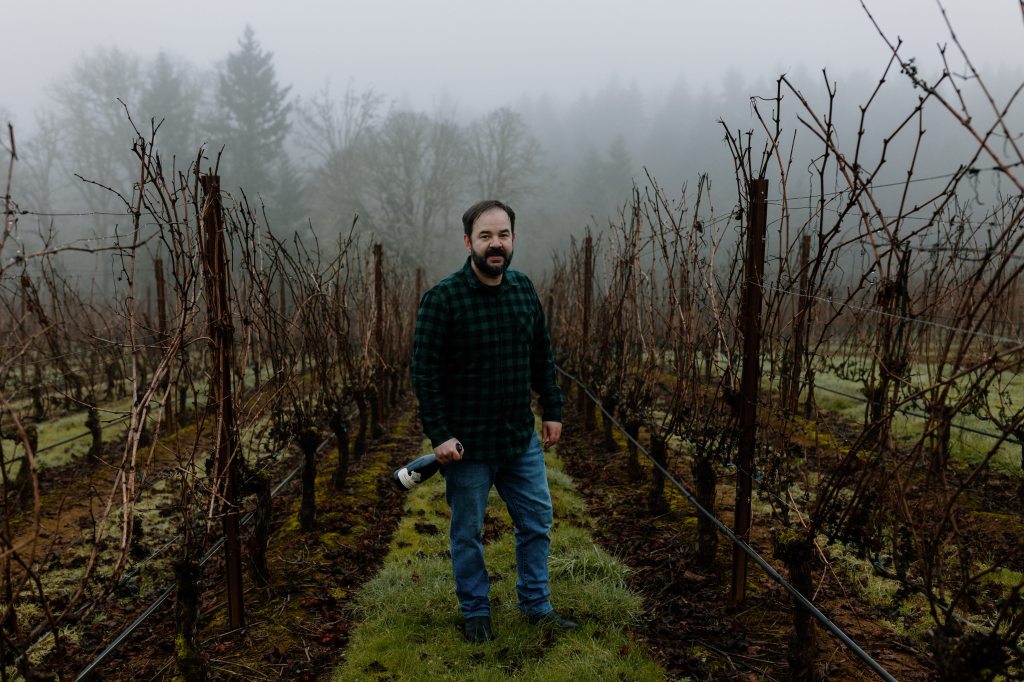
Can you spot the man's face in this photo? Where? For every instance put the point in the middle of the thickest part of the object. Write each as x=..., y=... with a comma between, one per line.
x=490, y=245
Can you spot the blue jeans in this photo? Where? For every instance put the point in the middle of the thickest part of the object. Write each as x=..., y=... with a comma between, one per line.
x=523, y=485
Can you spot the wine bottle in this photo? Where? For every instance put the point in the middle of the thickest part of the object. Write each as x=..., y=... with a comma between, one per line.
x=418, y=470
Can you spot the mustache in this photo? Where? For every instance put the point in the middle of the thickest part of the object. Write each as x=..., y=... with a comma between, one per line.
x=496, y=251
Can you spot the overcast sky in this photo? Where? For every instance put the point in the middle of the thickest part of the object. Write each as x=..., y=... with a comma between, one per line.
x=480, y=54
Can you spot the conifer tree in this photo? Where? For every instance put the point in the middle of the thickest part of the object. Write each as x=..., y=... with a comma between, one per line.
x=252, y=117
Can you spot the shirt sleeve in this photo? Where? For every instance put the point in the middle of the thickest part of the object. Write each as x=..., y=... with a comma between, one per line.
x=543, y=378
x=427, y=364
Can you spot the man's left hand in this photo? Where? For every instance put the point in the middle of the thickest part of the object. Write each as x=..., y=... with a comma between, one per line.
x=550, y=432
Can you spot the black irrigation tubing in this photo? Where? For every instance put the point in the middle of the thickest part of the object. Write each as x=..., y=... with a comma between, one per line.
x=81, y=435
x=165, y=595
x=146, y=484
x=109, y=422
x=136, y=568
x=747, y=549
x=910, y=413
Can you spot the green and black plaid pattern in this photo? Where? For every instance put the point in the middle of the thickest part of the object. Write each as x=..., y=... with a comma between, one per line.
x=478, y=350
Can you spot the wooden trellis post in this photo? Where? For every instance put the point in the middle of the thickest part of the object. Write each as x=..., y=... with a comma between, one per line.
x=215, y=269
x=750, y=322
x=584, y=404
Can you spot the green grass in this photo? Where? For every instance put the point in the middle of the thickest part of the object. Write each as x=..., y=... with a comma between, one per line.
x=966, y=447
x=60, y=428
x=410, y=614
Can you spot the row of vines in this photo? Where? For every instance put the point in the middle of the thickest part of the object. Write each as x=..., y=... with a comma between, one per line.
x=142, y=414
x=890, y=430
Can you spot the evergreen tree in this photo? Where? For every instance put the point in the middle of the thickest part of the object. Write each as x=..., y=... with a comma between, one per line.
x=285, y=200
x=252, y=110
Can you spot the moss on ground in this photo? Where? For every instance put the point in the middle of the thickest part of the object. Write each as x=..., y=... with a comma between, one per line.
x=966, y=448
x=58, y=429
x=281, y=620
x=410, y=613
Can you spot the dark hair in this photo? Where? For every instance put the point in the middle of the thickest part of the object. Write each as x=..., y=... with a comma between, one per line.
x=474, y=211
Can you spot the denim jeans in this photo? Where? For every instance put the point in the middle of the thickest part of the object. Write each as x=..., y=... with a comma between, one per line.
x=523, y=485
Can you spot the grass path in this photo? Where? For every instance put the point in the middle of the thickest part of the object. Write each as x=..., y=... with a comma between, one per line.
x=409, y=612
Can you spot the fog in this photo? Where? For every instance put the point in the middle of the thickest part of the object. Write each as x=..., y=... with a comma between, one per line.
x=600, y=94
x=483, y=55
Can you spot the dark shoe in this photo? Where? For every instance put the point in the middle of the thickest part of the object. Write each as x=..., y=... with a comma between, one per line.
x=552, y=619
x=477, y=629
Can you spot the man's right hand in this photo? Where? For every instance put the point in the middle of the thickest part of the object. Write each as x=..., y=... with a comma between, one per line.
x=449, y=451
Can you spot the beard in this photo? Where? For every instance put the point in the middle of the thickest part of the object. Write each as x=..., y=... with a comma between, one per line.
x=492, y=270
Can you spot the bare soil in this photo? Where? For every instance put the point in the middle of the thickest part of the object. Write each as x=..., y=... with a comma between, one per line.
x=690, y=622
x=298, y=625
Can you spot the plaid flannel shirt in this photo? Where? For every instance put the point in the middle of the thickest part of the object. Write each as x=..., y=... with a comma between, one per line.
x=477, y=352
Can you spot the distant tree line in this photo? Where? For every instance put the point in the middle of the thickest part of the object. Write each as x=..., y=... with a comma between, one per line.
x=313, y=162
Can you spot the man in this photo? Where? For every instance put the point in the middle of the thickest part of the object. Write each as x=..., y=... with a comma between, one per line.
x=481, y=344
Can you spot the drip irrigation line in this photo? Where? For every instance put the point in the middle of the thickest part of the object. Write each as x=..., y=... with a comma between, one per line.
x=747, y=549
x=51, y=446
x=165, y=595
x=757, y=479
x=910, y=413
x=136, y=568
x=81, y=435
x=130, y=574
x=88, y=670
x=108, y=422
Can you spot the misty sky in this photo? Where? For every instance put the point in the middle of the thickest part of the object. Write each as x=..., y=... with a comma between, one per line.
x=478, y=55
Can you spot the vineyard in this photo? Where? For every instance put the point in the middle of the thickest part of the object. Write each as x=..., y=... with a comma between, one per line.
x=796, y=412
x=852, y=376
x=124, y=436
